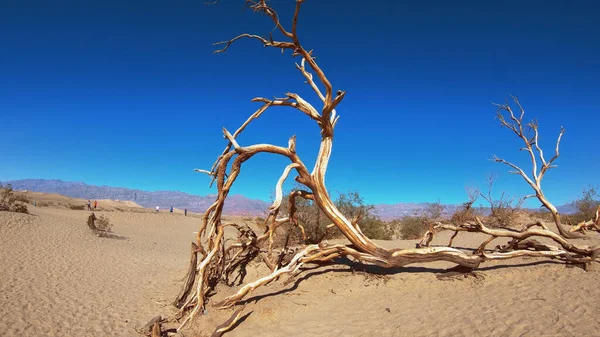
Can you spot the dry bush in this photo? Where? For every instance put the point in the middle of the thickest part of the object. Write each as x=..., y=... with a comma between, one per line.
x=44, y=204
x=433, y=211
x=467, y=212
x=76, y=207
x=540, y=214
x=103, y=223
x=586, y=206
x=315, y=223
x=12, y=201
x=99, y=224
x=412, y=227
x=352, y=205
x=20, y=208
x=505, y=211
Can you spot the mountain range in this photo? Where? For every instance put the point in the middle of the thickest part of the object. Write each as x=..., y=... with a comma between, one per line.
x=235, y=205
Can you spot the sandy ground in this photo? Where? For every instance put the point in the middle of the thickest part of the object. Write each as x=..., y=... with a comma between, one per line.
x=59, y=279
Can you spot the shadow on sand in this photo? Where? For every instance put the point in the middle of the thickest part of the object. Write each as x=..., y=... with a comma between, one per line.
x=376, y=270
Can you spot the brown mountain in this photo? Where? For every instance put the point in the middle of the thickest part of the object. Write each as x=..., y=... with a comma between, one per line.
x=236, y=204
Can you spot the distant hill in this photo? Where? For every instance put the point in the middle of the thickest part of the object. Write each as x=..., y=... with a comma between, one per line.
x=235, y=204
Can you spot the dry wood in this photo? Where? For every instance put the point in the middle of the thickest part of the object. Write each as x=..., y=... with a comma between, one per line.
x=148, y=329
x=190, y=278
x=156, y=332
x=219, y=258
x=228, y=324
x=531, y=142
x=589, y=225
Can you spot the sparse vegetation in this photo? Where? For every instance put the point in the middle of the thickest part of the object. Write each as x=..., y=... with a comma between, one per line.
x=12, y=201
x=586, y=205
x=76, y=207
x=412, y=227
x=100, y=225
x=103, y=223
x=504, y=211
x=467, y=212
x=315, y=224
x=588, y=212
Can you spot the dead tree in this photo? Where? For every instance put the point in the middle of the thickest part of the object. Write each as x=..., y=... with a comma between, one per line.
x=219, y=258
x=530, y=136
x=589, y=225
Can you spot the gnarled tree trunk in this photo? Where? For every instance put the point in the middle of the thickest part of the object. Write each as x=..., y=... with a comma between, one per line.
x=218, y=259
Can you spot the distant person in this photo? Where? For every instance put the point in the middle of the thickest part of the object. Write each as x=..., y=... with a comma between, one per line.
x=95, y=204
x=89, y=205
x=185, y=212
x=157, y=208
x=34, y=203
x=171, y=210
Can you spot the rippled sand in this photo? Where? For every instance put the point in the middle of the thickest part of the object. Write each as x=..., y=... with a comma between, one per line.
x=58, y=279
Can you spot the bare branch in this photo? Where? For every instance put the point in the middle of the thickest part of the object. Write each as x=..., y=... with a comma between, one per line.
x=265, y=42
x=279, y=186
x=556, y=155
x=220, y=257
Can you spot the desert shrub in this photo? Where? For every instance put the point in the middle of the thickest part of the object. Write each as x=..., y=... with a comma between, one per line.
x=315, y=222
x=465, y=213
x=375, y=228
x=259, y=220
x=503, y=214
x=541, y=214
x=352, y=205
x=586, y=205
x=412, y=227
x=20, y=208
x=505, y=211
x=44, y=204
x=103, y=223
x=433, y=211
x=310, y=217
x=12, y=201
x=76, y=207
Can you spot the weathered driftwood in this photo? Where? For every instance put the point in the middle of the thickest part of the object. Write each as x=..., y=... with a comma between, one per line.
x=150, y=327
x=220, y=258
x=190, y=278
x=156, y=331
x=228, y=324
x=589, y=225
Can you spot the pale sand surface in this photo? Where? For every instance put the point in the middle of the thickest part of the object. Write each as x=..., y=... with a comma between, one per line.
x=58, y=279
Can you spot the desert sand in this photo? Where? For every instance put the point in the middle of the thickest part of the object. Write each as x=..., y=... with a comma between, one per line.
x=59, y=279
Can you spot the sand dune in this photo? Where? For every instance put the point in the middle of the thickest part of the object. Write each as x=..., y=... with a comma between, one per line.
x=59, y=279
x=61, y=201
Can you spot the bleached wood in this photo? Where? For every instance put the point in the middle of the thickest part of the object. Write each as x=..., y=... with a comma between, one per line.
x=219, y=257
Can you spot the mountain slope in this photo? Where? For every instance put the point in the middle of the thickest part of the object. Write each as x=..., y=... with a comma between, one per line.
x=235, y=204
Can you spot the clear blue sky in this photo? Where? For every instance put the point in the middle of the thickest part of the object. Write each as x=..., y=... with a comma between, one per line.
x=129, y=93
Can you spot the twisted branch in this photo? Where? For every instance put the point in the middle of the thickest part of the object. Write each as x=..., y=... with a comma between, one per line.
x=219, y=259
